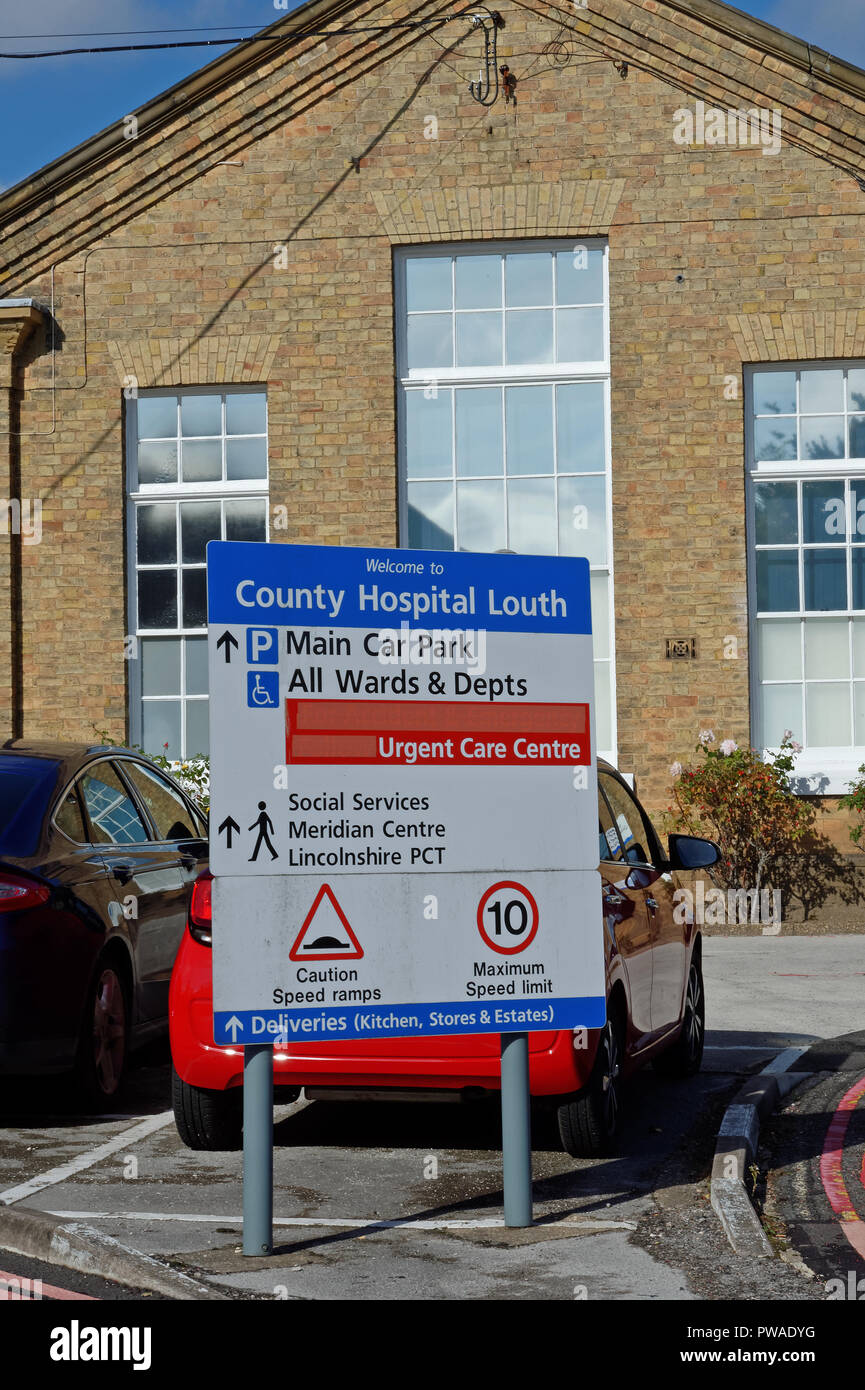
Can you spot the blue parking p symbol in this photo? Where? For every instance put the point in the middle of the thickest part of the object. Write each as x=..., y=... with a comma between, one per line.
x=262, y=646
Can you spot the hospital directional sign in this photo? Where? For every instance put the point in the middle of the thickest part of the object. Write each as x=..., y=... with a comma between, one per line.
x=403, y=793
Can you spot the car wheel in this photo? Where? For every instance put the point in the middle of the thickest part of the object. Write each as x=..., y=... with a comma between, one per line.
x=207, y=1119
x=685, y=1057
x=589, y=1124
x=104, y=1046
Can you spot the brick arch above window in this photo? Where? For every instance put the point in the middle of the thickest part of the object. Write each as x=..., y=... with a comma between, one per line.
x=154, y=362
x=570, y=207
x=807, y=335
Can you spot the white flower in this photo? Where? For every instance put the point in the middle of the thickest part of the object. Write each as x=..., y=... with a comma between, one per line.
x=728, y=747
x=707, y=736
x=675, y=769
x=795, y=747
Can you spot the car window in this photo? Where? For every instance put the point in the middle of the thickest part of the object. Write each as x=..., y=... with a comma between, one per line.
x=113, y=815
x=70, y=817
x=636, y=846
x=170, y=814
x=609, y=844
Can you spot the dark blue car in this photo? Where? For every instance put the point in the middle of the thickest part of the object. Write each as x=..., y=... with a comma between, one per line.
x=98, y=852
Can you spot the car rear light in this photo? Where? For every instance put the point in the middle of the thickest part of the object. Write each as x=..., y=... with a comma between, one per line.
x=200, y=909
x=17, y=894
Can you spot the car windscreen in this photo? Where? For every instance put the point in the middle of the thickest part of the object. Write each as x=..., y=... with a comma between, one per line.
x=26, y=787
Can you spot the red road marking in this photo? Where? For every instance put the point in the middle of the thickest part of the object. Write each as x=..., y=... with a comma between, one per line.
x=13, y=1281
x=831, y=1174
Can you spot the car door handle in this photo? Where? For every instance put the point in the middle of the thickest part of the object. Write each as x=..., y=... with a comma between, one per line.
x=188, y=861
x=123, y=872
x=614, y=898
x=651, y=903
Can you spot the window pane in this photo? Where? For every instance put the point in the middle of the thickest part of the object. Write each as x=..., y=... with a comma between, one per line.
x=603, y=707
x=197, y=728
x=528, y=278
x=580, y=276
x=196, y=666
x=582, y=518
x=478, y=282
x=200, y=415
x=775, y=516
x=532, y=516
x=529, y=336
x=859, y=715
x=202, y=460
x=246, y=520
x=69, y=818
x=857, y=436
x=245, y=458
x=113, y=816
x=161, y=727
x=246, y=413
x=430, y=516
x=822, y=437
x=780, y=649
x=157, y=534
x=857, y=509
x=825, y=579
x=827, y=709
x=168, y=811
x=481, y=516
x=479, y=445
x=774, y=439
x=856, y=388
x=859, y=646
x=428, y=282
x=157, y=598
x=580, y=335
x=194, y=598
x=827, y=654
x=774, y=393
x=858, y=568
x=823, y=511
x=157, y=463
x=777, y=581
x=160, y=665
x=780, y=709
x=430, y=340
x=479, y=340
x=157, y=417
x=199, y=523
x=428, y=434
x=821, y=391
x=580, y=427
x=600, y=590
x=529, y=411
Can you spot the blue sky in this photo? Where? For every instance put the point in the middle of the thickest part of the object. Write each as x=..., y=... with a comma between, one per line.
x=47, y=106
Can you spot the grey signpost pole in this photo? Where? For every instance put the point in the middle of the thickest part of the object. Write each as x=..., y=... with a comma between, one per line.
x=258, y=1149
x=516, y=1130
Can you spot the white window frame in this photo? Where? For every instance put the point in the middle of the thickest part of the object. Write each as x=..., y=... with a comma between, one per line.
x=136, y=493
x=521, y=374
x=824, y=771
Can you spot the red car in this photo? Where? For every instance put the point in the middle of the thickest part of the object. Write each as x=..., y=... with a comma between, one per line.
x=655, y=1010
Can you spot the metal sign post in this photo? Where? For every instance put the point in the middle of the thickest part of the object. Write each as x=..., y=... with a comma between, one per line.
x=404, y=803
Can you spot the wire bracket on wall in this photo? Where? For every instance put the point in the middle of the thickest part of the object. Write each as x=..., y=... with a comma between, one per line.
x=486, y=90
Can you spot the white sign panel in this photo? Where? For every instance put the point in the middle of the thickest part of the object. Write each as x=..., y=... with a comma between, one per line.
x=403, y=793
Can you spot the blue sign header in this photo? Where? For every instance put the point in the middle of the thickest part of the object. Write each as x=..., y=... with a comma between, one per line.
x=263, y=584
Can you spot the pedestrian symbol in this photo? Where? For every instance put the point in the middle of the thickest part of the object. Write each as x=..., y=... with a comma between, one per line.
x=326, y=933
x=265, y=829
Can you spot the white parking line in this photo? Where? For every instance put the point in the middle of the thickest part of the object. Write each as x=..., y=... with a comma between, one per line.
x=87, y=1159
x=347, y=1223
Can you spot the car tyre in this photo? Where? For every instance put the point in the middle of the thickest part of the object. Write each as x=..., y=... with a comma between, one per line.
x=211, y=1120
x=103, y=1051
x=685, y=1057
x=589, y=1124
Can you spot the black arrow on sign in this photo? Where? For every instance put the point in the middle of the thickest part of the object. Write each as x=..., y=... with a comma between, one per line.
x=227, y=641
x=229, y=826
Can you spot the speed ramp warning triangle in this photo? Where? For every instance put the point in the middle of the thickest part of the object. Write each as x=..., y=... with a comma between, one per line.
x=326, y=933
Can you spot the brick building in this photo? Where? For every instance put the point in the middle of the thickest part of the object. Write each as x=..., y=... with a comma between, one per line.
x=319, y=292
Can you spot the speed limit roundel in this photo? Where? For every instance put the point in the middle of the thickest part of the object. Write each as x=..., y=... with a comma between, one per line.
x=507, y=917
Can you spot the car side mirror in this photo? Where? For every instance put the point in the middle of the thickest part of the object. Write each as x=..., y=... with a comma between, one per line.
x=691, y=852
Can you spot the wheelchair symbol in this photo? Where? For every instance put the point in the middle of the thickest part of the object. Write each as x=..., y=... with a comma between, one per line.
x=262, y=689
